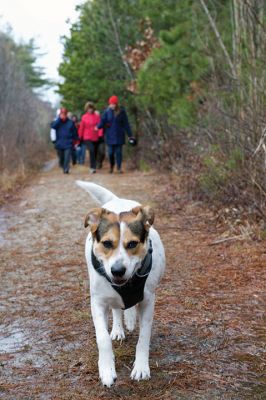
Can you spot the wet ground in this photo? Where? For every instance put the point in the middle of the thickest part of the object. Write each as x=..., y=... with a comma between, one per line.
x=209, y=330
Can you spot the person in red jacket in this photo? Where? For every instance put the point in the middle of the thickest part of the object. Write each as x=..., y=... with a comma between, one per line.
x=89, y=133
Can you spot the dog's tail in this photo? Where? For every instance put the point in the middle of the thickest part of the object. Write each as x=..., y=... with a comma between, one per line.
x=97, y=192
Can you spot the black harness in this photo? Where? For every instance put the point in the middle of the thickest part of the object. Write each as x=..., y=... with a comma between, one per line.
x=132, y=292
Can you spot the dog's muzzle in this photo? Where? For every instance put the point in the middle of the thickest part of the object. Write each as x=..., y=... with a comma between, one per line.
x=118, y=271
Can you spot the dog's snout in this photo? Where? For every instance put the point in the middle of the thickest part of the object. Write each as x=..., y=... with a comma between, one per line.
x=118, y=270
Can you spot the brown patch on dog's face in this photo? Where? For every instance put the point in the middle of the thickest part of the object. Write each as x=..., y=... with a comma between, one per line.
x=138, y=222
x=109, y=241
x=105, y=230
x=132, y=242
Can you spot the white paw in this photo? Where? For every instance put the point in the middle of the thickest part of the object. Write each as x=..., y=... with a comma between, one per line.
x=130, y=319
x=140, y=371
x=117, y=334
x=107, y=375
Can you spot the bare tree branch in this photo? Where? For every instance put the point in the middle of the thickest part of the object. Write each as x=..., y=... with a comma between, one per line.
x=217, y=34
x=117, y=40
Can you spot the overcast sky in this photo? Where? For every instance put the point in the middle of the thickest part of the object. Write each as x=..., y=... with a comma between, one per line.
x=45, y=21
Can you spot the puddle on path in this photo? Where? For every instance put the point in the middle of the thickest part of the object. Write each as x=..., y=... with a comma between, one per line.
x=12, y=340
x=49, y=165
x=20, y=348
x=4, y=215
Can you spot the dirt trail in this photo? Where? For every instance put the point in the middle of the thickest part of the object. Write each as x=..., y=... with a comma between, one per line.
x=209, y=330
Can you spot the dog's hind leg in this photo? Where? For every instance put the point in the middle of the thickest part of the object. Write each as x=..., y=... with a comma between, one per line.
x=106, y=361
x=141, y=368
x=130, y=318
x=117, y=332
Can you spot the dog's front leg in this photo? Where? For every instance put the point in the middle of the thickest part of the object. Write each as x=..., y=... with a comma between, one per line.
x=106, y=362
x=141, y=368
x=117, y=332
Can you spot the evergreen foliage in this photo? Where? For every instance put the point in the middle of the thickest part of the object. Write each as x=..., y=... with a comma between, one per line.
x=26, y=54
x=93, y=67
x=167, y=78
x=195, y=76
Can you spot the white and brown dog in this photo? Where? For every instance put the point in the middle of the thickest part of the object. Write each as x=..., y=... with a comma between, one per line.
x=126, y=261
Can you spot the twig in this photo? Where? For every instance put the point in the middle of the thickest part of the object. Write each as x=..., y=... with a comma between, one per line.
x=261, y=142
x=218, y=36
x=117, y=39
x=257, y=185
x=226, y=240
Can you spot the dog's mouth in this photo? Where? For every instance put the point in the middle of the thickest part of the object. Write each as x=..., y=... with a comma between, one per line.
x=119, y=281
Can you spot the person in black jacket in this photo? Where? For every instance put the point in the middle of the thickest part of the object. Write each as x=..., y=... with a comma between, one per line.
x=115, y=123
x=66, y=133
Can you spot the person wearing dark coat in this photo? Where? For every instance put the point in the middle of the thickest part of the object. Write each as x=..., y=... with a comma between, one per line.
x=115, y=123
x=66, y=133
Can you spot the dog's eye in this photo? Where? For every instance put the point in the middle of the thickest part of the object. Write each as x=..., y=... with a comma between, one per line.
x=108, y=244
x=132, y=244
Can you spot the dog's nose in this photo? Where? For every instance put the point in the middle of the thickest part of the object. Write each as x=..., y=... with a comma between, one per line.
x=118, y=270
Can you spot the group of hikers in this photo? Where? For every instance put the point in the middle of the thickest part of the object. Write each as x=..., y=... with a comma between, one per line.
x=72, y=138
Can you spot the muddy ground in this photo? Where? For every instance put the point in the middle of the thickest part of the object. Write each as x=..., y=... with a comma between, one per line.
x=209, y=334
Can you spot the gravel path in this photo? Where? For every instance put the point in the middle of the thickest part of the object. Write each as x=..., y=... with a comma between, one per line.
x=208, y=337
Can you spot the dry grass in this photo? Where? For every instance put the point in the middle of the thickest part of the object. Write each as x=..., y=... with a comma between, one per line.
x=12, y=182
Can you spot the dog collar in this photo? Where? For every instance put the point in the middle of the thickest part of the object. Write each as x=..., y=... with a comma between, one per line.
x=132, y=292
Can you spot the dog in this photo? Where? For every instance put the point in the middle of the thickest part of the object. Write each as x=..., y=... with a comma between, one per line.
x=126, y=261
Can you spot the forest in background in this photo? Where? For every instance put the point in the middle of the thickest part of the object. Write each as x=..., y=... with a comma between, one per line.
x=190, y=73
x=24, y=117
x=192, y=76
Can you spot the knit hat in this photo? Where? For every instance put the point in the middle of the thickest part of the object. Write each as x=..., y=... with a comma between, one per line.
x=63, y=110
x=113, y=100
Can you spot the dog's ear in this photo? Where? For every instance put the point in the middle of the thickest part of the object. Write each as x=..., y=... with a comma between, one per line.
x=92, y=219
x=146, y=214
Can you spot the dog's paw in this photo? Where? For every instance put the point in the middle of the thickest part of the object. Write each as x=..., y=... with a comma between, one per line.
x=107, y=375
x=130, y=318
x=140, y=371
x=117, y=334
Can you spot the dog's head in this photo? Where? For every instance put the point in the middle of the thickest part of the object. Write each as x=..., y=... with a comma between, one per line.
x=120, y=240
